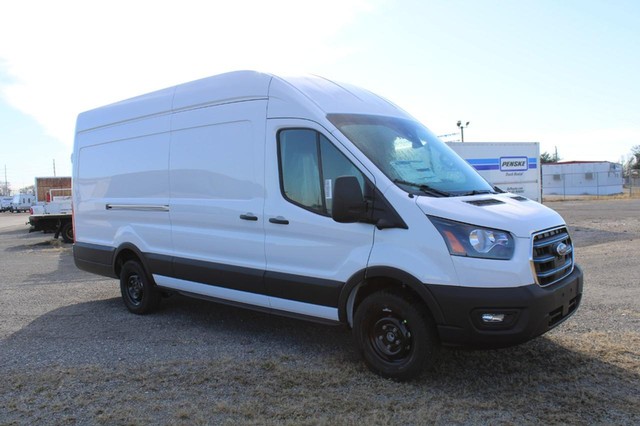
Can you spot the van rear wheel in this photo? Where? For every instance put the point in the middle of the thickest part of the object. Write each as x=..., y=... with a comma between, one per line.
x=139, y=293
x=395, y=335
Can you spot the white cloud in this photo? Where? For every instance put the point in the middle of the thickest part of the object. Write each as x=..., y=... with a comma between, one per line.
x=68, y=56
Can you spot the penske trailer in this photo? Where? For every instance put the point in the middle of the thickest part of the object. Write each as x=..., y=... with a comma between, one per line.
x=511, y=166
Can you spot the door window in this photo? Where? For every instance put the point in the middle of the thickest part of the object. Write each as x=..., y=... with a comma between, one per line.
x=309, y=166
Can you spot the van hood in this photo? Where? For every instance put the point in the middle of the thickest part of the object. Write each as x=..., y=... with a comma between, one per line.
x=507, y=212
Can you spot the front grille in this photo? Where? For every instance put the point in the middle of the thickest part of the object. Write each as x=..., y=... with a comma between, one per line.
x=552, y=255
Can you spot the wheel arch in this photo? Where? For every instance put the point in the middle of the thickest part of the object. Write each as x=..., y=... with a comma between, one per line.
x=377, y=278
x=126, y=252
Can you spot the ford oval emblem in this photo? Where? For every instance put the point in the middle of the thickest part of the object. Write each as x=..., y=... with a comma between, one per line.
x=562, y=249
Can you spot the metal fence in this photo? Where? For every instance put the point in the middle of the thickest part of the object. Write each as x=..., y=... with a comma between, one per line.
x=632, y=186
x=632, y=182
x=593, y=184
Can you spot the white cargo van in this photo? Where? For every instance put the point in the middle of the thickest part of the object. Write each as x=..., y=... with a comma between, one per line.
x=316, y=200
x=5, y=203
x=22, y=202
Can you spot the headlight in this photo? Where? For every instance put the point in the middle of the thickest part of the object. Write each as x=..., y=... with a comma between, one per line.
x=474, y=241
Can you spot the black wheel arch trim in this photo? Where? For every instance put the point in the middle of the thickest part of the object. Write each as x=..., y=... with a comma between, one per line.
x=128, y=246
x=152, y=263
x=405, y=278
x=102, y=260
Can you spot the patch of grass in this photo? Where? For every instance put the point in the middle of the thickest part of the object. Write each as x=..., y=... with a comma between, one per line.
x=564, y=378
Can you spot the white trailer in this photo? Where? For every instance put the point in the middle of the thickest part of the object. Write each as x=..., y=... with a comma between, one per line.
x=511, y=166
x=582, y=178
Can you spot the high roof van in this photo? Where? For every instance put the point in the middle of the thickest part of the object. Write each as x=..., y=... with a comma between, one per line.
x=22, y=202
x=316, y=200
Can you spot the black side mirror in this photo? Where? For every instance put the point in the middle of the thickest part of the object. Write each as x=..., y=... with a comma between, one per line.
x=348, y=201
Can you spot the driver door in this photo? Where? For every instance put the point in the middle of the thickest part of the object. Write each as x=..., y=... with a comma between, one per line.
x=309, y=256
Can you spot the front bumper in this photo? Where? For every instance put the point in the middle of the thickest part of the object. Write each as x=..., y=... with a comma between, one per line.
x=528, y=311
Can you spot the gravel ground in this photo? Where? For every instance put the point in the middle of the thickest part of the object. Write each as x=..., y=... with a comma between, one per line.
x=70, y=353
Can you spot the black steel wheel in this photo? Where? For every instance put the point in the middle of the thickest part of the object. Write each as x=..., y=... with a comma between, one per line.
x=138, y=290
x=67, y=232
x=396, y=335
x=390, y=338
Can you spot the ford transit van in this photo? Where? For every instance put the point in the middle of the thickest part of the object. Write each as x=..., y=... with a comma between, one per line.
x=22, y=202
x=316, y=200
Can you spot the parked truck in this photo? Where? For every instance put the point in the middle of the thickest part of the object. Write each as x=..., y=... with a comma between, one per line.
x=54, y=215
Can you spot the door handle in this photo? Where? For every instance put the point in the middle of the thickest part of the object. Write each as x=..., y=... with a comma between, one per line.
x=249, y=216
x=279, y=220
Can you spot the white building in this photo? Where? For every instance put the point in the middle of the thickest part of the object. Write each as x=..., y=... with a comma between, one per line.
x=582, y=178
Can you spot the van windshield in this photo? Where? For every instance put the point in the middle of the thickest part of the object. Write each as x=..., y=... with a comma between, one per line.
x=411, y=156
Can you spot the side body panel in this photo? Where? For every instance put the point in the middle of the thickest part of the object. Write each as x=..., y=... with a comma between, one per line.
x=217, y=195
x=121, y=184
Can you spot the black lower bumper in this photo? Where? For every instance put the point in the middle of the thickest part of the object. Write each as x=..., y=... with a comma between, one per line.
x=527, y=311
x=94, y=258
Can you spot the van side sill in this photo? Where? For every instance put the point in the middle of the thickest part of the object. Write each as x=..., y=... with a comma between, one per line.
x=256, y=308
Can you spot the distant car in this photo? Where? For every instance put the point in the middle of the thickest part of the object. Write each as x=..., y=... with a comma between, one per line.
x=5, y=203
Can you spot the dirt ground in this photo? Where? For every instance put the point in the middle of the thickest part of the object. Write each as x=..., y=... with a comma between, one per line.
x=70, y=353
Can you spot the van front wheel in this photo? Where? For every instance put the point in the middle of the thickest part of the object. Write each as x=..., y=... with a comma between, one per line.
x=139, y=293
x=396, y=336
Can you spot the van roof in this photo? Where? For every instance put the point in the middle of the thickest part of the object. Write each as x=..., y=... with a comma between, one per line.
x=304, y=97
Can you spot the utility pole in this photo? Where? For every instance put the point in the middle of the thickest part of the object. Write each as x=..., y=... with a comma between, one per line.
x=54, y=167
x=462, y=126
x=6, y=183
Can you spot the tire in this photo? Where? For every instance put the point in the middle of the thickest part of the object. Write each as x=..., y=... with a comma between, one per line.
x=67, y=232
x=139, y=292
x=396, y=336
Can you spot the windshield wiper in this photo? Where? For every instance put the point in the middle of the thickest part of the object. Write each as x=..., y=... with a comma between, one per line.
x=424, y=188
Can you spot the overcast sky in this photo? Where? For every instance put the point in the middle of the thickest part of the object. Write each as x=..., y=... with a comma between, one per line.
x=563, y=73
